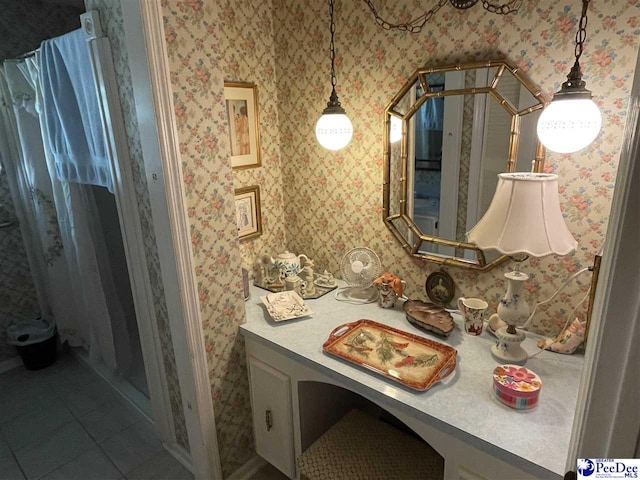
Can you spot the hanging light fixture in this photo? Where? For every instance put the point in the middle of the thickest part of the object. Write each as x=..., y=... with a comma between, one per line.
x=334, y=129
x=572, y=120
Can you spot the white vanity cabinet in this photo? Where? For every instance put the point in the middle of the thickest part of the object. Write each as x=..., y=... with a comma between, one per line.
x=272, y=415
x=298, y=391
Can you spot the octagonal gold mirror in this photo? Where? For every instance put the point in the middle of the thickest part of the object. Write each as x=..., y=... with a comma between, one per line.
x=448, y=133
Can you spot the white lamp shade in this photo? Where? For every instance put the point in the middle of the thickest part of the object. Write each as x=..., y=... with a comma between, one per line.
x=567, y=126
x=334, y=131
x=524, y=217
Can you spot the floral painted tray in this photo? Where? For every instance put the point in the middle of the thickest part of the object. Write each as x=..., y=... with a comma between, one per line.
x=411, y=360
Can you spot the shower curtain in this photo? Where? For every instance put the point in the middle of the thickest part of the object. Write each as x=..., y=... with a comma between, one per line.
x=66, y=245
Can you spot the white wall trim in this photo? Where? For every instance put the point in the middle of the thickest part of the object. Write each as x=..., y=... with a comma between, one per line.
x=129, y=216
x=607, y=422
x=144, y=27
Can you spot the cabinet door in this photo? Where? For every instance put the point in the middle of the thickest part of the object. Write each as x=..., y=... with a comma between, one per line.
x=272, y=416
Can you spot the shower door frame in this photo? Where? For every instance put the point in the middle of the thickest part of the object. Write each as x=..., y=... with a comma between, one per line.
x=130, y=226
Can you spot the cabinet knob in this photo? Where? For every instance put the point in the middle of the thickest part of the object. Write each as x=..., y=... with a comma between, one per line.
x=268, y=419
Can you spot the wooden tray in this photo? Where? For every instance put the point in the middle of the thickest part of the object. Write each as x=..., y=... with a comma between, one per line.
x=411, y=360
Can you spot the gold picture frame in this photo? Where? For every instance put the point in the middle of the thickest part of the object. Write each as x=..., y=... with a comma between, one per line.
x=248, y=215
x=241, y=100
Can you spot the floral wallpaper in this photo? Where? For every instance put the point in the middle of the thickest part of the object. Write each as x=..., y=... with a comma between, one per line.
x=330, y=202
x=111, y=18
x=247, y=54
x=342, y=191
x=195, y=49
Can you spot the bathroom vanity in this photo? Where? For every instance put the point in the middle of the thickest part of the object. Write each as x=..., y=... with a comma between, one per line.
x=298, y=392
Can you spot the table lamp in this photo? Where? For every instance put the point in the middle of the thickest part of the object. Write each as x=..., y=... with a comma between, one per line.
x=523, y=219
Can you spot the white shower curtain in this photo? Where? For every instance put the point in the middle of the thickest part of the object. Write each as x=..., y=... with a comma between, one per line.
x=66, y=239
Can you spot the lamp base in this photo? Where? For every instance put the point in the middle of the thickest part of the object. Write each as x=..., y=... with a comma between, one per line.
x=507, y=349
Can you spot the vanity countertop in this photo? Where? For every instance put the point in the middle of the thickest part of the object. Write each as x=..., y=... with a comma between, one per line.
x=463, y=404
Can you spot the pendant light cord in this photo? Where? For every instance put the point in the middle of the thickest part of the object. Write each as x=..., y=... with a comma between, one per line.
x=333, y=105
x=332, y=50
x=574, y=79
x=581, y=34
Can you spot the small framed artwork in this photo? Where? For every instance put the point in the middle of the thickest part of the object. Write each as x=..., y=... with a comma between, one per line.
x=440, y=288
x=248, y=215
x=242, y=116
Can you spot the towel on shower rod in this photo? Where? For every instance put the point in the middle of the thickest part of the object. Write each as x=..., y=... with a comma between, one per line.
x=72, y=112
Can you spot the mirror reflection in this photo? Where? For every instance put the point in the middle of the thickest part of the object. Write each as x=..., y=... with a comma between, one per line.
x=464, y=125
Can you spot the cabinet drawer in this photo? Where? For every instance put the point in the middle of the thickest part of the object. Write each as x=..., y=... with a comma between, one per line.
x=272, y=421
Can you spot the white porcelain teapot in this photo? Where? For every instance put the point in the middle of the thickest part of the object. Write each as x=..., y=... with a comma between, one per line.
x=289, y=263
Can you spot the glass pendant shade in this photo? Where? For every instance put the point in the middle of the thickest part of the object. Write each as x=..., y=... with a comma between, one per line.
x=569, y=124
x=334, y=131
x=572, y=120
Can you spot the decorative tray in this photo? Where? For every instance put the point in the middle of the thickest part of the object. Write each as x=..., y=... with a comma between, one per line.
x=411, y=360
x=429, y=316
x=321, y=288
x=285, y=306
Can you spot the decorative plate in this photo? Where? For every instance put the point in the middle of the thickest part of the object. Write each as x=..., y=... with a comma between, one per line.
x=285, y=306
x=411, y=360
x=440, y=288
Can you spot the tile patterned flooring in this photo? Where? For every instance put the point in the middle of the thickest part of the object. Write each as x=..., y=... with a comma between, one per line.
x=269, y=472
x=66, y=423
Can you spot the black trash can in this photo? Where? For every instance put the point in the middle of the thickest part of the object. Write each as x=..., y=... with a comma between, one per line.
x=36, y=341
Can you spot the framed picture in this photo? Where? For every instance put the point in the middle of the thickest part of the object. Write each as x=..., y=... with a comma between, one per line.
x=242, y=116
x=440, y=288
x=248, y=215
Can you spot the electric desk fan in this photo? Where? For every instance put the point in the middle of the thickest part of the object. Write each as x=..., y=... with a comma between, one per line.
x=359, y=267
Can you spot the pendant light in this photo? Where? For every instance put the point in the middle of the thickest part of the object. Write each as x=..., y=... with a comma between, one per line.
x=572, y=120
x=334, y=129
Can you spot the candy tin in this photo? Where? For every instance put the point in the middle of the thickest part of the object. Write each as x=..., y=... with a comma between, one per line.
x=516, y=386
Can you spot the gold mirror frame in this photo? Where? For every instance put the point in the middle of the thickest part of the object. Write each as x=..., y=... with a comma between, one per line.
x=420, y=75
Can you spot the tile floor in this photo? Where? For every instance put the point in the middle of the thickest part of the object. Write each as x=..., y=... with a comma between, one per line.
x=66, y=423
x=269, y=472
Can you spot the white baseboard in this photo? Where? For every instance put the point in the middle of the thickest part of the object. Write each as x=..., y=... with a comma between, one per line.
x=10, y=364
x=249, y=469
x=180, y=454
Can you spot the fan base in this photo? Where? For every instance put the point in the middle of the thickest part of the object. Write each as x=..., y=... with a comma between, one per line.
x=357, y=295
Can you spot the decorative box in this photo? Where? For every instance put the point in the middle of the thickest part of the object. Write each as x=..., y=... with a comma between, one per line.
x=516, y=386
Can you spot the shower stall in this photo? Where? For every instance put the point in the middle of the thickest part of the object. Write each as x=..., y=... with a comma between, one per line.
x=65, y=158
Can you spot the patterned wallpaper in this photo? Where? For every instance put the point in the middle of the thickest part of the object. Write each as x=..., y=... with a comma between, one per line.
x=18, y=300
x=23, y=28
x=247, y=54
x=111, y=17
x=195, y=49
x=333, y=200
